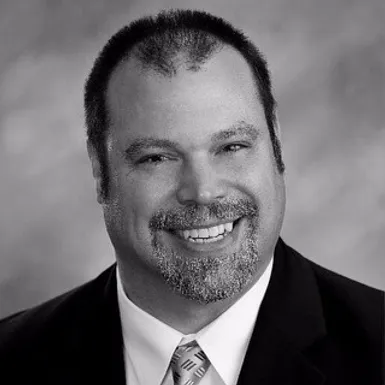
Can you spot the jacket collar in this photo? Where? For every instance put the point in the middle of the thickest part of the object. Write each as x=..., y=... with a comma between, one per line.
x=290, y=322
x=99, y=341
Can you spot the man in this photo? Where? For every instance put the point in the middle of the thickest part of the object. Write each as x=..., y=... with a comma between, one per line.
x=186, y=156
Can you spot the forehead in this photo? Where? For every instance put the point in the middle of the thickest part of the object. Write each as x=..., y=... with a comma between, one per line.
x=191, y=103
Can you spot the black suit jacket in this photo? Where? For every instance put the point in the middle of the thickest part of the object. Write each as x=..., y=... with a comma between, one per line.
x=314, y=327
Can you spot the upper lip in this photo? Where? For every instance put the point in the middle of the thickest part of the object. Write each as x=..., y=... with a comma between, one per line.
x=205, y=225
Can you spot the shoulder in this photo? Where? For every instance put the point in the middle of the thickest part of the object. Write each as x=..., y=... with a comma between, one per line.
x=350, y=308
x=53, y=319
x=338, y=289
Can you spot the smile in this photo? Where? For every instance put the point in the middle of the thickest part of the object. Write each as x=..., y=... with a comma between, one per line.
x=207, y=234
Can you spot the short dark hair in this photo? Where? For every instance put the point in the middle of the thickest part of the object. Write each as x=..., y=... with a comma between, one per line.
x=157, y=42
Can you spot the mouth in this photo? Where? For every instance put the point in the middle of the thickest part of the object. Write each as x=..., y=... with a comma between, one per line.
x=207, y=238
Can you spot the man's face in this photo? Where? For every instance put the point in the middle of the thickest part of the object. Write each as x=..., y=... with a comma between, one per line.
x=195, y=198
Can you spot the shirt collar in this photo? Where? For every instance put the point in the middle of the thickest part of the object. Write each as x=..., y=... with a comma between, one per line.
x=224, y=341
x=146, y=339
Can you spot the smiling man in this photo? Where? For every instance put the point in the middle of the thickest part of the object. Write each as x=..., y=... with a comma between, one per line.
x=186, y=156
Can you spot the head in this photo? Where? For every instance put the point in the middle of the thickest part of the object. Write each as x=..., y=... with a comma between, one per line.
x=182, y=135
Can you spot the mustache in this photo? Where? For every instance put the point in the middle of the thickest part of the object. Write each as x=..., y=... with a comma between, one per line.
x=194, y=215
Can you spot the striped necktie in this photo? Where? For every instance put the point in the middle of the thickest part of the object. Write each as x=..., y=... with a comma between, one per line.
x=189, y=364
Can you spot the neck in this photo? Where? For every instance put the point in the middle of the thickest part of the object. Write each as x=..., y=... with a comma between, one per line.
x=182, y=314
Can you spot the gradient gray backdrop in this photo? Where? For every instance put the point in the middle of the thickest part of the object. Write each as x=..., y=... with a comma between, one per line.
x=328, y=64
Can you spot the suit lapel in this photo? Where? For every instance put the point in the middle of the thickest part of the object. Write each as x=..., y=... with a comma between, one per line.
x=99, y=343
x=289, y=323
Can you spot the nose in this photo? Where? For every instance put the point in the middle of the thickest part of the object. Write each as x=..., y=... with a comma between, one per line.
x=200, y=184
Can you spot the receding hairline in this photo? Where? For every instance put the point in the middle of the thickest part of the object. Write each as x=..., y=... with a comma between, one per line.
x=180, y=57
x=149, y=72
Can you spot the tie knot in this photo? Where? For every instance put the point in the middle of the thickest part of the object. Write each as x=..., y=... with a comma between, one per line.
x=189, y=364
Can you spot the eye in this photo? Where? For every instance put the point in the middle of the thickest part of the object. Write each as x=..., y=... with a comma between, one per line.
x=152, y=159
x=234, y=147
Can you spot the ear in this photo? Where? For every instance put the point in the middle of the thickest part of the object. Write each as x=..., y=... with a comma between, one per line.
x=277, y=126
x=96, y=170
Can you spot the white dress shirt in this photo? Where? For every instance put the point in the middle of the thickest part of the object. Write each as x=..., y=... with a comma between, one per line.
x=149, y=343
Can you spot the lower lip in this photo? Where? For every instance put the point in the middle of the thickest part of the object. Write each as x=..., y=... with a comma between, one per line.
x=231, y=239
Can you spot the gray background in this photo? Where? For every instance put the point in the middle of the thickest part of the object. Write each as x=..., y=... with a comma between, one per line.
x=328, y=64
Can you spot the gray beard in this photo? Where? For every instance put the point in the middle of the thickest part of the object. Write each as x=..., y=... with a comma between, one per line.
x=208, y=279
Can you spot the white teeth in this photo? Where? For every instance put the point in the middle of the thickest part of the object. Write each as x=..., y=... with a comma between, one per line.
x=193, y=233
x=203, y=233
x=207, y=233
x=208, y=240
x=213, y=231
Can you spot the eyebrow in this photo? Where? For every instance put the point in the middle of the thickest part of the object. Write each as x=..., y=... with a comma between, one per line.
x=239, y=129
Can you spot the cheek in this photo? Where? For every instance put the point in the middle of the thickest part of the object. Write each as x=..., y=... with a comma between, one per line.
x=272, y=203
x=260, y=180
x=142, y=196
x=250, y=172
